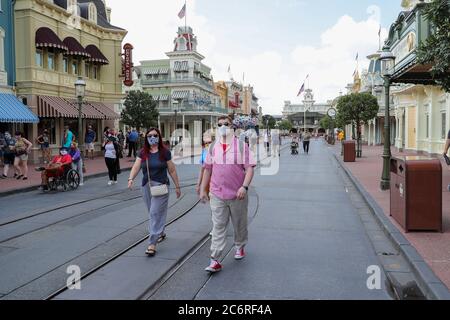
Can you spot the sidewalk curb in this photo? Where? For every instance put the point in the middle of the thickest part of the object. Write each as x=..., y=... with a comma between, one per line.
x=432, y=287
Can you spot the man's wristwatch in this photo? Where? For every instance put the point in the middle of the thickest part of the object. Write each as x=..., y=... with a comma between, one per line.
x=246, y=188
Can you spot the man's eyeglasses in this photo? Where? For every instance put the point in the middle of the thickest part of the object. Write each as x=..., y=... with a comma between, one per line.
x=223, y=124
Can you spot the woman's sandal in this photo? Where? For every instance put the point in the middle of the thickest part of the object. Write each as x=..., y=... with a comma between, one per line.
x=162, y=238
x=150, y=252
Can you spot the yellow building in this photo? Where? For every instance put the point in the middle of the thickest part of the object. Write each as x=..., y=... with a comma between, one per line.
x=57, y=42
x=221, y=90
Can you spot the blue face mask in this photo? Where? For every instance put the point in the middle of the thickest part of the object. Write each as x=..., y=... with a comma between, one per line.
x=153, y=140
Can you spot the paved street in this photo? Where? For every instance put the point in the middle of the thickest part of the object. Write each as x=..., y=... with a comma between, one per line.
x=310, y=238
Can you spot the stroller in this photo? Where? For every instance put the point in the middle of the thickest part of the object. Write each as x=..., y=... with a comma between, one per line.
x=294, y=148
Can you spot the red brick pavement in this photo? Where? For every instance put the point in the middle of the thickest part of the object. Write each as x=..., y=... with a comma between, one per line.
x=434, y=247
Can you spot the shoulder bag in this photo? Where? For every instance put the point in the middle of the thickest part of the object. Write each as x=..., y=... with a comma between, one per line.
x=156, y=191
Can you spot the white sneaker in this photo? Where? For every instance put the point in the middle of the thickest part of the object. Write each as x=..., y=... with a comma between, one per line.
x=116, y=182
x=240, y=254
x=81, y=184
x=110, y=183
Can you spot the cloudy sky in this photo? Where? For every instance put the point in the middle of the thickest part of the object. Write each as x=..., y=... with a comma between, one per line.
x=276, y=43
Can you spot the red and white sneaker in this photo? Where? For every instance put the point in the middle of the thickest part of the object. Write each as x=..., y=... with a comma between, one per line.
x=240, y=254
x=214, y=267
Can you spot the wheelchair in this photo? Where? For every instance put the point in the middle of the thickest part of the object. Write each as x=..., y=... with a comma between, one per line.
x=68, y=180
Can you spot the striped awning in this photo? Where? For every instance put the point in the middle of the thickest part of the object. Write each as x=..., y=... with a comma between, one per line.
x=106, y=109
x=178, y=95
x=14, y=111
x=181, y=66
x=164, y=70
x=164, y=97
x=46, y=38
x=155, y=97
x=150, y=71
x=75, y=48
x=57, y=107
x=96, y=55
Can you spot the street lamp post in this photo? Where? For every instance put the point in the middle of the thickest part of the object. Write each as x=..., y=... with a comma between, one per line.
x=387, y=59
x=80, y=90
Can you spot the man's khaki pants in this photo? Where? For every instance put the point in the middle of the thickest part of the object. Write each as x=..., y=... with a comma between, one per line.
x=222, y=210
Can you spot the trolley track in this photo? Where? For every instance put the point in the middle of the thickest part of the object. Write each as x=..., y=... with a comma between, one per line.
x=124, y=251
x=75, y=203
x=86, y=212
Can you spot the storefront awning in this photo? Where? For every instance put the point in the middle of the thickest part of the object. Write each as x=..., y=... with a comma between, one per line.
x=178, y=95
x=150, y=71
x=56, y=107
x=46, y=38
x=181, y=66
x=164, y=97
x=155, y=97
x=106, y=109
x=233, y=105
x=75, y=48
x=14, y=111
x=164, y=70
x=96, y=55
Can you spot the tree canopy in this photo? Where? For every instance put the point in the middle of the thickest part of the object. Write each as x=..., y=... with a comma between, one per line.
x=140, y=110
x=436, y=49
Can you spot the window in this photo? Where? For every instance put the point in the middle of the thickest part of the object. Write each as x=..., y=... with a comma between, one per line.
x=443, y=125
x=96, y=72
x=39, y=58
x=66, y=65
x=75, y=68
x=92, y=13
x=87, y=69
x=51, y=61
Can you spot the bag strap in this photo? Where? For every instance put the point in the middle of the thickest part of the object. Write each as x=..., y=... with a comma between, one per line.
x=148, y=170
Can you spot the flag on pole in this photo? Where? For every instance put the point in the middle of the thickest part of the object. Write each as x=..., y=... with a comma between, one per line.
x=357, y=56
x=302, y=89
x=379, y=31
x=229, y=68
x=182, y=13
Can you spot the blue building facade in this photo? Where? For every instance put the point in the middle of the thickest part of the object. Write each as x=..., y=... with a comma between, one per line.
x=7, y=54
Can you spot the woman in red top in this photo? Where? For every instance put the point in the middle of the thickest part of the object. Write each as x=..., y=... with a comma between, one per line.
x=56, y=167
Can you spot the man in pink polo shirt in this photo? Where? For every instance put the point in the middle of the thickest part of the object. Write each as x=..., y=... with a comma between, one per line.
x=229, y=170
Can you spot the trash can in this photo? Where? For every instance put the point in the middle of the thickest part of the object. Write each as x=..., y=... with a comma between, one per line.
x=349, y=151
x=416, y=193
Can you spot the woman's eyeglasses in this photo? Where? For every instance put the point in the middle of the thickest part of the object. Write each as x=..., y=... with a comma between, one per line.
x=152, y=136
x=223, y=124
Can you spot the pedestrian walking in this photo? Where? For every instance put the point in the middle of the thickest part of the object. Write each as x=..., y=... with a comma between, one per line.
x=276, y=143
x=133, y=139
x=77, y=161
x=89, y=141
x=111, y=148
x=267, y=141
x=229, y=170
x=8, y=154
x=22, y=149
x=306, y=141
x=121, y=138
x=44, y=141
x=207, y=140
x=155, y=162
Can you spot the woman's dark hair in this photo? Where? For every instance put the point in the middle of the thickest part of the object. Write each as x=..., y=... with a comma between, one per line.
x=162, y=148
x=18, y=133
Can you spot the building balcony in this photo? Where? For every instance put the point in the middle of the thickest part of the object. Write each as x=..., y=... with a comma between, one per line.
x=170, y=80
x=185, y=107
